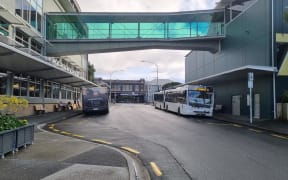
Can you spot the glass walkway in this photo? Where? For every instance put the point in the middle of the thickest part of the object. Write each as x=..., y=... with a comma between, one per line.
x=135, y=26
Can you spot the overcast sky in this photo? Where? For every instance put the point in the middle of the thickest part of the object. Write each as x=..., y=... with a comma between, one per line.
x=171, y=63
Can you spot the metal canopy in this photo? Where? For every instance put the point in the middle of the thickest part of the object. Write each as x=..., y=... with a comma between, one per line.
x=235, y=74
x=16, y=61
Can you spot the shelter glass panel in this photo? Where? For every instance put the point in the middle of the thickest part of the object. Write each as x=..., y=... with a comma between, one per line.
x=152, y=30
x=98, y=30
x=124, y=30
x=178, y=30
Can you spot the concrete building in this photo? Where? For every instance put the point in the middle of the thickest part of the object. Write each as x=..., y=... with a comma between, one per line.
x=25, y=70
x=249, y=46
x=152, y=87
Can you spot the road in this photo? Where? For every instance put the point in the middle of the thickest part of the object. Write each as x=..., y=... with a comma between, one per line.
x=186, y=147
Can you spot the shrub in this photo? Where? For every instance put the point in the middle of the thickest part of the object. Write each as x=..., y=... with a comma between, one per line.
x=284, y=97
x=8, y=122
x=10, y=105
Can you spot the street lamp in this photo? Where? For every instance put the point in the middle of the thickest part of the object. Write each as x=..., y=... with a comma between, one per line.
x=156, y=69
x=111, y=73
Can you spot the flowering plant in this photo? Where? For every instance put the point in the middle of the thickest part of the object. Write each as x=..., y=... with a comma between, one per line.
x=8, y=106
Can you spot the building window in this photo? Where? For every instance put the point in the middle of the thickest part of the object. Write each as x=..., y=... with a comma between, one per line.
x=34, y=88
x=63, y=92
x=22, y=38
x=47, y=89
x=3, y=82
x=36, y=46
x=4, y=27
x=56, y=90
x=20, y=86
x=31, y=11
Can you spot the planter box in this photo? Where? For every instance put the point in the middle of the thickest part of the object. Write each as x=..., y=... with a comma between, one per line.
x=24, y=136
x=13, y=139
x=7, y=142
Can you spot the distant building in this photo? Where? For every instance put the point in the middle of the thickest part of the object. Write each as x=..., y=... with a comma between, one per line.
x=125, y=91
x=151, y=87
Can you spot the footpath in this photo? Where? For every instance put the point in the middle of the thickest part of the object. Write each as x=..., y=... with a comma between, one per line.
x=274, y=126
x=58, y=157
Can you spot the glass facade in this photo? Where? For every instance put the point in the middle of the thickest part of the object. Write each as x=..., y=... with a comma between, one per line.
x=145, y=26
x=3, y=83
x=4, y=27
x=31, y=11
x=34, y=87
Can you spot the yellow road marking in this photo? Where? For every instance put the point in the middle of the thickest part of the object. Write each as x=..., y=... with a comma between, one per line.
x=100, y=141
x=66, y=133
x=221, y=124
x=77, y=135
x=255, y=130
x=237, y=125
x=51, y=127
x=56, y=130
x=131, y=150
x=279, y=136
x=155, y=169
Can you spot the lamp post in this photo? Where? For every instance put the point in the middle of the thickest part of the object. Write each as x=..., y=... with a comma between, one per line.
x=111, y=73
x=157, y=72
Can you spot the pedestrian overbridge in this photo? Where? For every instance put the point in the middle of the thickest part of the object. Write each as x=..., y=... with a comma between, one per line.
x=86, y=33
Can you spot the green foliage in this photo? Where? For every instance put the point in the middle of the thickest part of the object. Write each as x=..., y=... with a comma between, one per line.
x=169, y=85
x=8, y=106
x=8, y=122
x=286, y=16
x=284, y=97
x=91, y=71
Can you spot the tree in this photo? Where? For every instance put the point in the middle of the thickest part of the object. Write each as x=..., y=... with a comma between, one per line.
x=169, y=85
x=91, y=71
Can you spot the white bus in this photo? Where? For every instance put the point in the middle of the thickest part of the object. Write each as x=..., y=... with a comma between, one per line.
x=190, y=100
x=158, y=98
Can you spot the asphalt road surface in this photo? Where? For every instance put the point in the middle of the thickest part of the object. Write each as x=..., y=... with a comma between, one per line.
x=186, y=147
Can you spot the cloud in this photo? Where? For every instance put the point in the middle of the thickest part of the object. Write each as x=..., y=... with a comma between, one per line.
x=130, y=5
x=169, y=63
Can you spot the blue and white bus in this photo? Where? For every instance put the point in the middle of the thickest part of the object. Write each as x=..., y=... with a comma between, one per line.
x=159, y=100
x=190, y=100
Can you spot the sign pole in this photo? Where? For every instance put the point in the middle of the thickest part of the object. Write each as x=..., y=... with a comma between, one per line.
x=250, y=86
x=251, y=109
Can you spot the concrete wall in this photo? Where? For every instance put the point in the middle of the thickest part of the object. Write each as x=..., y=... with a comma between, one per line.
x=9, y=5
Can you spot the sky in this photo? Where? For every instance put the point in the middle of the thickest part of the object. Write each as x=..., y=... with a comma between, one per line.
x=128, y=65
